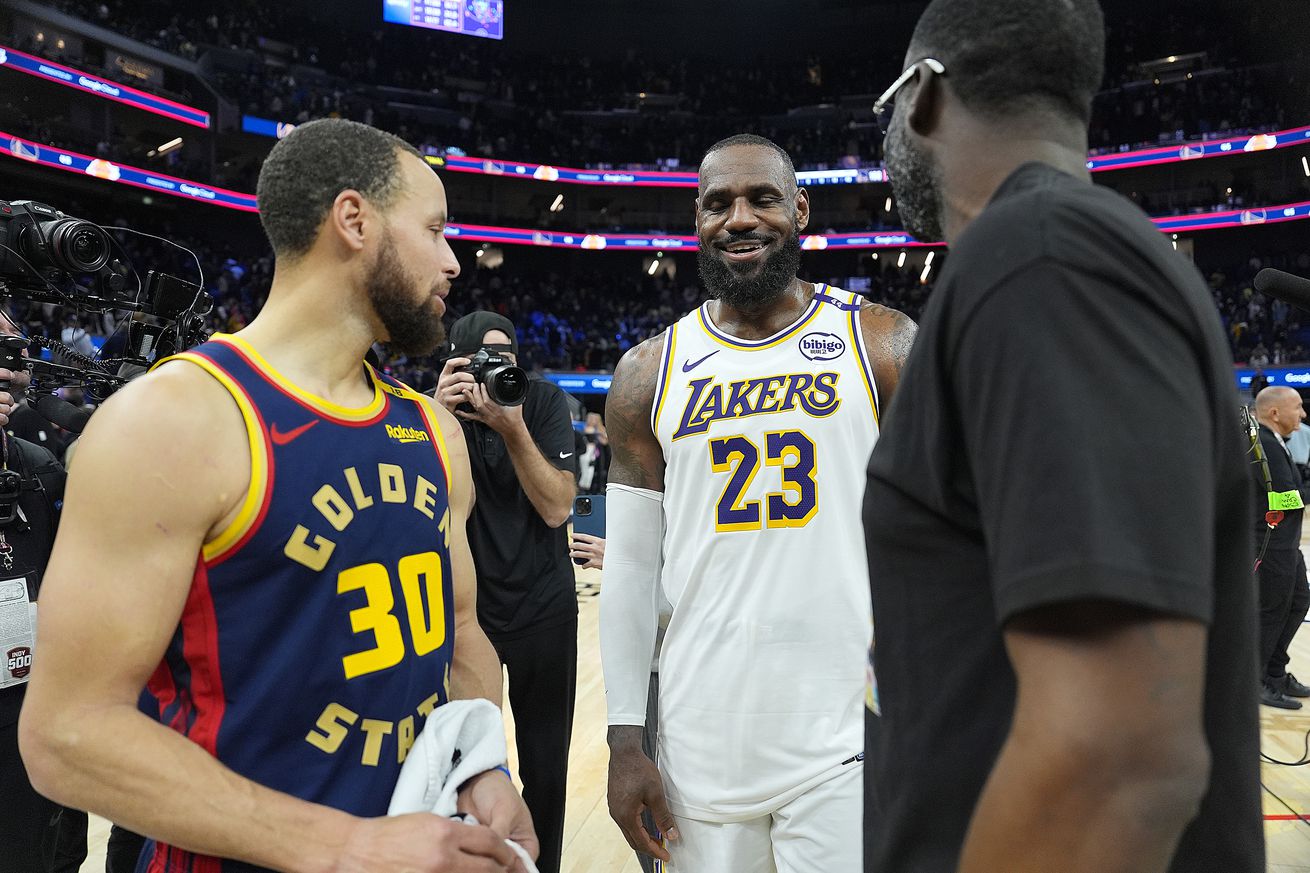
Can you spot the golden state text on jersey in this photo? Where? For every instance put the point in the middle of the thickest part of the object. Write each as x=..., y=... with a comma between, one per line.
x=319, y=629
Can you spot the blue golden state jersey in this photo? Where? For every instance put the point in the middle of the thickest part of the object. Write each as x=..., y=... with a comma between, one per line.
x=318, y=632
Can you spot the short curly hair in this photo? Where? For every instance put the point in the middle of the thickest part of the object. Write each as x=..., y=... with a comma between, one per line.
x=306, y=170
x=1008, y=57
x=751, y=139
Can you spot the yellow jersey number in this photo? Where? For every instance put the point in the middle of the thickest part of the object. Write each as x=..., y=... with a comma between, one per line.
x=423, y=591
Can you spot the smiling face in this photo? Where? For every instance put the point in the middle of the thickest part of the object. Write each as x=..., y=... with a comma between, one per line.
x=749, y=215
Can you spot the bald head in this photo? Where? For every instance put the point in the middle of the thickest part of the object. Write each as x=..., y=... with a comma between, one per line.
x=1280, y=409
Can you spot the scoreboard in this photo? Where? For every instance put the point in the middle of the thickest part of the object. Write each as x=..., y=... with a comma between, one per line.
x=485, y=18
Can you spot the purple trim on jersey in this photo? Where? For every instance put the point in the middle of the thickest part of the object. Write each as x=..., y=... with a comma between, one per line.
x=708, y=324
x=662, y=380
x=848, y=307
x=863, y=355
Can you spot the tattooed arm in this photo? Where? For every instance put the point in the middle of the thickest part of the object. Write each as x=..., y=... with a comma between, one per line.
x=888, y=336
x=629, y=594
x=637, y=460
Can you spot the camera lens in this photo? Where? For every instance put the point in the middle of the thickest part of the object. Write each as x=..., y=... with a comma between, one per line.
x=507, y=386
x=78, y=246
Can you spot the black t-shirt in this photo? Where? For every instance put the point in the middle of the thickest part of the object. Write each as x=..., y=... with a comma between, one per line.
x=1066, y=429
x=41, y=499
x=525, y=577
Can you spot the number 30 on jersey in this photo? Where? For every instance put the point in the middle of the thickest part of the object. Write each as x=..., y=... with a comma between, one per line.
x=793, y=454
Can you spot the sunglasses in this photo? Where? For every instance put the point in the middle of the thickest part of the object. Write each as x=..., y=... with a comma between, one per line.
x=882, y=108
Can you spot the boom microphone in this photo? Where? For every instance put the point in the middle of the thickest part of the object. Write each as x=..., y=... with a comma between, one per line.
x=58, y=411
x=1284, y=286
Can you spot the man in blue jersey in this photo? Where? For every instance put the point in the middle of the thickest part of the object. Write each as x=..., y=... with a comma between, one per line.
x=270, y=535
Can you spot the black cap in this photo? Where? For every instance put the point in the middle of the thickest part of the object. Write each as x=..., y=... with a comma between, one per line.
x=466, y=333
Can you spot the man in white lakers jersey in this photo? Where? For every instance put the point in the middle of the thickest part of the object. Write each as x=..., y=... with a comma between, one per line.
x=739, y=437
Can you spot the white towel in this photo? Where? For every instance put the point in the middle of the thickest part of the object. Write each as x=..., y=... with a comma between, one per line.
x=460, y=740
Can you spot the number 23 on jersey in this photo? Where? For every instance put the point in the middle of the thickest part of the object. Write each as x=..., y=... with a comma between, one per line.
x=793, y=454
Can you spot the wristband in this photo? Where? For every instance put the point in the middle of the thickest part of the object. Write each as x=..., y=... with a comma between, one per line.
x=502, y=768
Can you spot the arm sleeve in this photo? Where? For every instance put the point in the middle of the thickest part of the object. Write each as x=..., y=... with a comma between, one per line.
x=1086, y=423
x=630, y=598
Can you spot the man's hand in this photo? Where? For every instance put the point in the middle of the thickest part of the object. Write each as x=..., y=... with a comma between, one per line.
x=635, y=785
x=590, y=548
x=504, y=420
x=425, y=843
x=18, y=381
x=454, y=388
x=492, y=799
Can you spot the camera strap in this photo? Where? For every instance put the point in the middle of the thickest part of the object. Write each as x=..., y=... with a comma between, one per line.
x=8, y=511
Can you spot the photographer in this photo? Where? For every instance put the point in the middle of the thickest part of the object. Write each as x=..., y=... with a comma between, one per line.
x=523, y=459
x=31, y=493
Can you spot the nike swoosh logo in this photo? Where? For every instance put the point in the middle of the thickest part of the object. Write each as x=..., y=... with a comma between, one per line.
x=563, y=455
x=688, y=366
x=281, y=438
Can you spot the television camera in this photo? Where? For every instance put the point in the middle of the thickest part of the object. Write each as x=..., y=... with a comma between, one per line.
x=47, y=257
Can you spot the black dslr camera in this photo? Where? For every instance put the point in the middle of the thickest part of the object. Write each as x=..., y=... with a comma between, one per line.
x=507, y=385
x=35, y=238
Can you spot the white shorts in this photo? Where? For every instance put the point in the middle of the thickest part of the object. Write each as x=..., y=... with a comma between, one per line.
x=819, y=832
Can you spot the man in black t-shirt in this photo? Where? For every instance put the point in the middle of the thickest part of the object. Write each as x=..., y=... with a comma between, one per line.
x=1064, y=614
x=523, y=464
x=26, y=830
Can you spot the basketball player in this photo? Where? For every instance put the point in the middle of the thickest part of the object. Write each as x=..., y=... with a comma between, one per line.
x=270, y=534
x=1065, y=614
x=738, y=436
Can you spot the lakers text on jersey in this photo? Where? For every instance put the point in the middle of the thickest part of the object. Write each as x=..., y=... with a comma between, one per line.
x=765, y=443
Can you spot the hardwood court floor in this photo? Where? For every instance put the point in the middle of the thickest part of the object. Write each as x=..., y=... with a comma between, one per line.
x=593, y=844
x=1283, y=736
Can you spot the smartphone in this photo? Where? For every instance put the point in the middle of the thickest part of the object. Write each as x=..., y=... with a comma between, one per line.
x=589, y=517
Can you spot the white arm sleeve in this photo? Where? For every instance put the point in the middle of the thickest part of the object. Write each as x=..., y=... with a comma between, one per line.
x=630, y=598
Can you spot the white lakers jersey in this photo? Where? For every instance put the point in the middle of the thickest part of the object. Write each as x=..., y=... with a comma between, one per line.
x=762, y=669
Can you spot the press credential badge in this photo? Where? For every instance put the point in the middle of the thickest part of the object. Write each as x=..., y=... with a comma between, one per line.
x=17, y=632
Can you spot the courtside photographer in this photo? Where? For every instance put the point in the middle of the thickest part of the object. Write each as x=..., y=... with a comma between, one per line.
x=521, y=451
x=55, y=263
x=31, y=494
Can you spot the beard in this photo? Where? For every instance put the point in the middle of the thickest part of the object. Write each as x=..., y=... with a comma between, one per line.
x=413, y=327
x=728, y=283
x=915, y=184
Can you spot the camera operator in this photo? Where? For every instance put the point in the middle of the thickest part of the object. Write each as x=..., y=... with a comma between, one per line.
x=523, y=462
x=1284, y=595
x=31, y=493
